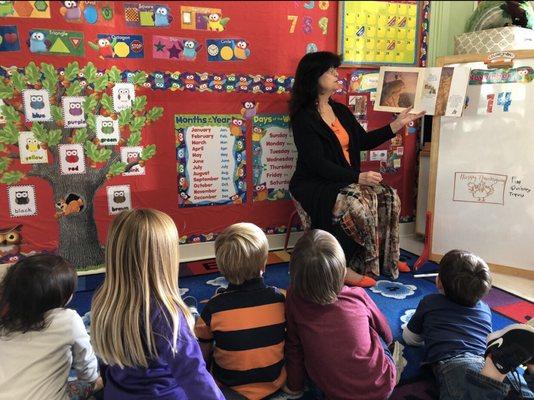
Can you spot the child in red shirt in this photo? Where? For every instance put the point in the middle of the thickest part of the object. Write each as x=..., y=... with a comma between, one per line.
x=335, y=333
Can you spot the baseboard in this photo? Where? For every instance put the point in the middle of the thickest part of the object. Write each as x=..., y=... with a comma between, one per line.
x=202, y=251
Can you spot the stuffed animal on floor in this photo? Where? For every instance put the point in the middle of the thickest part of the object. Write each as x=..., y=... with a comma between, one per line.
x=496, y=14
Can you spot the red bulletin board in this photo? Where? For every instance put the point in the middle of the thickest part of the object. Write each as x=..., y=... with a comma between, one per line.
x=274, y=50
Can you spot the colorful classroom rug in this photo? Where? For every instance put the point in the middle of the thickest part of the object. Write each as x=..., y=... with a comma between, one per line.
x=397, y=300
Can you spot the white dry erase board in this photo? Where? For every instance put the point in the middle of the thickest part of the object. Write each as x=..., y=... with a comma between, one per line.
x=481, y=189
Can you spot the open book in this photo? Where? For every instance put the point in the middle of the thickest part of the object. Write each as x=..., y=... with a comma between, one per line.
x=438, y=91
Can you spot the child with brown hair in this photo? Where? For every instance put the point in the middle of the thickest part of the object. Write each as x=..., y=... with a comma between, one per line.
x=335, y=333
x=244, y=325
x=455, y=325
x=41, y=339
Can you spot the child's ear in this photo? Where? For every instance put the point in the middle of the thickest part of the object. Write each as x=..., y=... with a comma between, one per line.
x=439, y=285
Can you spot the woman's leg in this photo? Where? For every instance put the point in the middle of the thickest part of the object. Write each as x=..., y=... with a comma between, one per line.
x=388, y=229
x=355, y=213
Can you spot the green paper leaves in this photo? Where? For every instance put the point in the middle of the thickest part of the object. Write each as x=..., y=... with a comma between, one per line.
x=101, y=83
x=139, y=78
x=154, y=114
x=18, y=81
x=137, y=124
x=134, y=139
x=6, y=91
x=10, y=114
x=116, y=168
x=11, y=177
x=90, y=104
x=74, y=89
x=71, y=71
x=148, y=152
x=95, y=154
x=4, y=163
x=125, y=116
x=50, y=137
x=54, y=137
x=107, y=102
x=114, y=75
x=81, y=135
x=57, y=113
x=89, y=72
x=9, y=134
x=139, y=103
x=39, y=131
x=33, y=75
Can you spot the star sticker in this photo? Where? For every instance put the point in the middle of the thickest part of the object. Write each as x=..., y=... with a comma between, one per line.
x=174, y=52
x=159, y=46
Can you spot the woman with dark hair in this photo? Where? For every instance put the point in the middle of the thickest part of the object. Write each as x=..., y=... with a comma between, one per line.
x=40, y=339
x=327, y=184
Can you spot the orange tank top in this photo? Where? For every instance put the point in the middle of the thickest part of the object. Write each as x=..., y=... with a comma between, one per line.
x=343, y=138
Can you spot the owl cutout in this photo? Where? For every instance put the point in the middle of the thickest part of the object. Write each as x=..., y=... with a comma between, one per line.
x=107, y=131
x=73, y=113
x=131, y=155
x=10, y=241
x=22, y=200
x=119, y=199
x=31, y=150
x=36, y=105
x=123, y=96
x=71, y=159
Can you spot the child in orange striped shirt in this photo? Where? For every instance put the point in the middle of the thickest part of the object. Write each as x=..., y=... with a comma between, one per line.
x=244, y=326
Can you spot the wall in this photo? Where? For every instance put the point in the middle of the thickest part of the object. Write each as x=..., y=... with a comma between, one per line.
x=448, y=19
x=274, y=51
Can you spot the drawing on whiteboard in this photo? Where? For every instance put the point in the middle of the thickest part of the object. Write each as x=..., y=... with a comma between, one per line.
x=479, y=187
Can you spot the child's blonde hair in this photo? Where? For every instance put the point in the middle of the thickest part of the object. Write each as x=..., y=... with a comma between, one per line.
x=241, y=251
x=141, y=276
x=317, y=267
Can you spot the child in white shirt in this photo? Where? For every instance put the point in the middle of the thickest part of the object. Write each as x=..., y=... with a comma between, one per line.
x=40, y=340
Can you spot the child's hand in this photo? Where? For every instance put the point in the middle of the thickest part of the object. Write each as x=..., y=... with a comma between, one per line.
x=98, y=385
x=293, y=394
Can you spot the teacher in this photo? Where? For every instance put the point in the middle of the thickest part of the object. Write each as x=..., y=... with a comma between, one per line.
x=327, y=184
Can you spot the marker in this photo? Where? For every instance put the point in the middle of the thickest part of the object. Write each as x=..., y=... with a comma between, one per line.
x=425, y=275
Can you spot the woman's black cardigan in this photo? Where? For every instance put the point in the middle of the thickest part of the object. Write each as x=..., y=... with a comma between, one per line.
x=322, y=169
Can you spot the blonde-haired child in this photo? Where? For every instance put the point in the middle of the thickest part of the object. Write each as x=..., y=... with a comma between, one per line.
x=245, y=324
x=140, y=327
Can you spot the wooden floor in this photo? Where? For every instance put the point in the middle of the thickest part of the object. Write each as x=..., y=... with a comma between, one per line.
x=514, y=284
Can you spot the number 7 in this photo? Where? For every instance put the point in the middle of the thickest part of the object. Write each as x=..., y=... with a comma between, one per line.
x=293, y=19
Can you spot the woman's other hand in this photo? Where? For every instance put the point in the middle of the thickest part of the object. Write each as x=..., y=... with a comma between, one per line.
x=404, y=118
x=370, y=178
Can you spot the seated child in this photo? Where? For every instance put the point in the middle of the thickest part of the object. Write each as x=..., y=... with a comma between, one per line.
x=40, y=339
x=140, y=327
x=335, y=333
x=244, y=324
x=454, y=324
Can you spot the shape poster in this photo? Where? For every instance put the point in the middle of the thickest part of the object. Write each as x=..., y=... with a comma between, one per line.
x=274, y=157
x=378, y=32
x=211, y=163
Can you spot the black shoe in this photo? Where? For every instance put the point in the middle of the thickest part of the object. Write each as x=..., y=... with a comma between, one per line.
x=511, y=347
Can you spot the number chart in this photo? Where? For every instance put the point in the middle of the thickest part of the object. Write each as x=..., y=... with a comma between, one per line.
x=378, y=32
